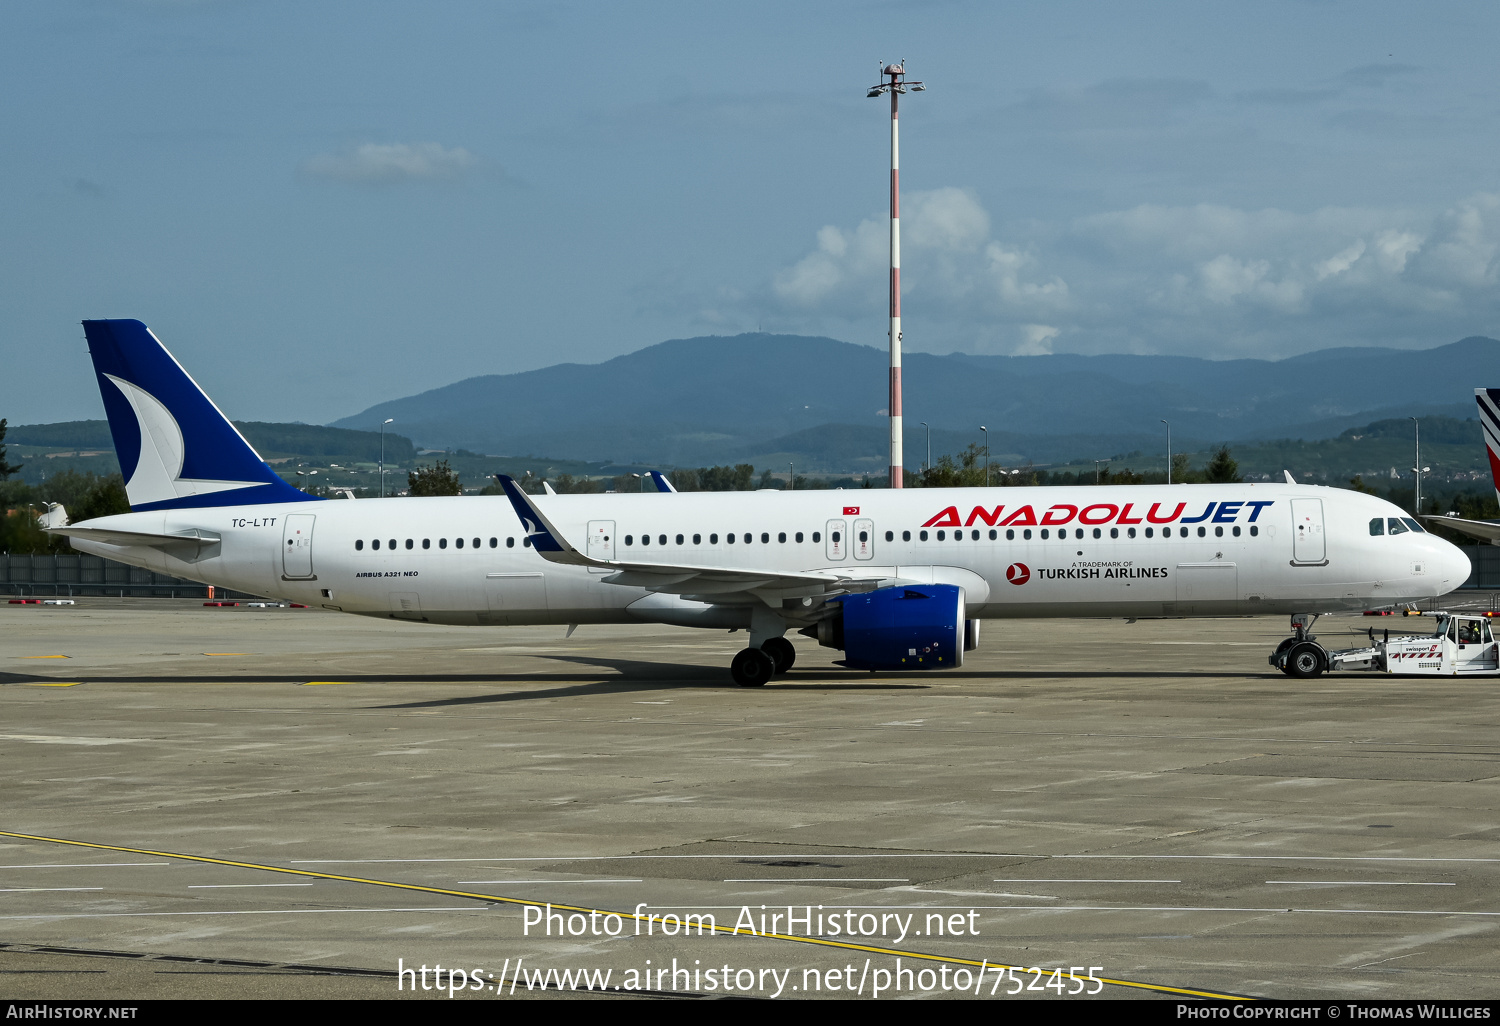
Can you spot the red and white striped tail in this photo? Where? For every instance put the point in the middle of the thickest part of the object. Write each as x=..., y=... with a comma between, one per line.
x=1489, y=420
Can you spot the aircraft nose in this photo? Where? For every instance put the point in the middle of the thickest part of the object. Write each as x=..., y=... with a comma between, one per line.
x=1453, y=565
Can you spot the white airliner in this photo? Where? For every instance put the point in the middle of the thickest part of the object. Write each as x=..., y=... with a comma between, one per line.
x=896, y=579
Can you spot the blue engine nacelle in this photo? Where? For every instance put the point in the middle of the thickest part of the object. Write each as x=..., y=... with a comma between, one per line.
x=920, y=627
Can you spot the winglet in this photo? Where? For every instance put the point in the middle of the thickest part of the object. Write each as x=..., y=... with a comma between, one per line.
x=1289, y=478
x=660, y=480
x=545, y=538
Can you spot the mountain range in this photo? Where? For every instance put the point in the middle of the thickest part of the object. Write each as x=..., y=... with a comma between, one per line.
x=818, y=402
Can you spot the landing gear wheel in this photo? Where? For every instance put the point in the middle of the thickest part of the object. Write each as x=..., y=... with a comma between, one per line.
x=782, y=654
x=1305, y=660
x=752, y=668
x=1283, y=665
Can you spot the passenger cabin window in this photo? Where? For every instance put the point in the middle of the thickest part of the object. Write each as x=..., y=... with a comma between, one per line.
x=476, y=543
x=906, y=536
x=510, y=543
x=442, y=543
x=393, y=543
x=375, y=544
x=889, y=536
x=408, y=543
x=458, y=542
x=798, y=537
x=817, y=537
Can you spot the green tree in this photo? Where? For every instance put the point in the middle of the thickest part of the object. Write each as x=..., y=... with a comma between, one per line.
x=106, y=498
x=6, y=469
x=964, y=471
x=1179, y=467
x=1222, y=467
x=438, y=479
x=738, y=478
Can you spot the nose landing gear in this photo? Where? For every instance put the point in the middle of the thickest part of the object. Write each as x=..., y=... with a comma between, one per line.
x=1301, y=655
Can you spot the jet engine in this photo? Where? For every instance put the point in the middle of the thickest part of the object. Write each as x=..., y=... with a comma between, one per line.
x=918, y=627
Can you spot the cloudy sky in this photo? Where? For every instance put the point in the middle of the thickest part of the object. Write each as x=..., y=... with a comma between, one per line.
x=320, y=206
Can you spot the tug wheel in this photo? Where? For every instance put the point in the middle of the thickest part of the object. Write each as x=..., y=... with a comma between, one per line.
x=1305, y=660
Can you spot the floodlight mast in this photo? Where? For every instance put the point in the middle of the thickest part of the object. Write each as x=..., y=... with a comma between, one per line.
x=893, y=81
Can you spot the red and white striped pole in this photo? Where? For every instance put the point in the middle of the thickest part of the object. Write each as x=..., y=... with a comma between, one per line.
x=897, y=84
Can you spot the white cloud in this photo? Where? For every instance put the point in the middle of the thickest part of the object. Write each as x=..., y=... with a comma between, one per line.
x=387, y=163
x=1036, y=340
x=1202, y=279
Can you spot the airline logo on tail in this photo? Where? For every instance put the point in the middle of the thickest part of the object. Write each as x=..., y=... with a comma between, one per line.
x=176, y=449
x=1489, y=419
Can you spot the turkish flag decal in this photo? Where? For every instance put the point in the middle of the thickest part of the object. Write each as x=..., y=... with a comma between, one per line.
x=851, y=511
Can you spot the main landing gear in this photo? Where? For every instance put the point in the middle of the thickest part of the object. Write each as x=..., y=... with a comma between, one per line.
x=1301, y=655
x=754, y=666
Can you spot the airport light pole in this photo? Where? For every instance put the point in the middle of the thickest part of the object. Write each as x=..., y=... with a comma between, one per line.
x=388, y=420
x=893, y=81
x=1096, y=469
x=986, y=432
x=1169, y=452
x=928, y=464
x=1418, y=470
x=791, y=476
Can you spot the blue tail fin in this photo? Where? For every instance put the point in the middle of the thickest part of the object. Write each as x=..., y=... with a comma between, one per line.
x=176, y=449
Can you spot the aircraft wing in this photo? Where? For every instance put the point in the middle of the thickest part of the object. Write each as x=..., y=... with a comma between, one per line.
x=1484, y=530
x=708, y=582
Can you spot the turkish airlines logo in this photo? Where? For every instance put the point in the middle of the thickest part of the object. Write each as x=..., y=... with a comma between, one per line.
x=1018, y=573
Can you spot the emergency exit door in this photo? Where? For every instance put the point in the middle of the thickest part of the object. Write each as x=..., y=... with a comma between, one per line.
x=836, y=540
x=601, y=540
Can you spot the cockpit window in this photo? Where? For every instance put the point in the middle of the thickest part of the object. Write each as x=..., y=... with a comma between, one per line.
x=1409, y=522
x=1377, y=527
x=1397, y=527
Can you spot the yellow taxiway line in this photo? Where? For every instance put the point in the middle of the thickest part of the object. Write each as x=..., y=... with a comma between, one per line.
x=503, y=900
